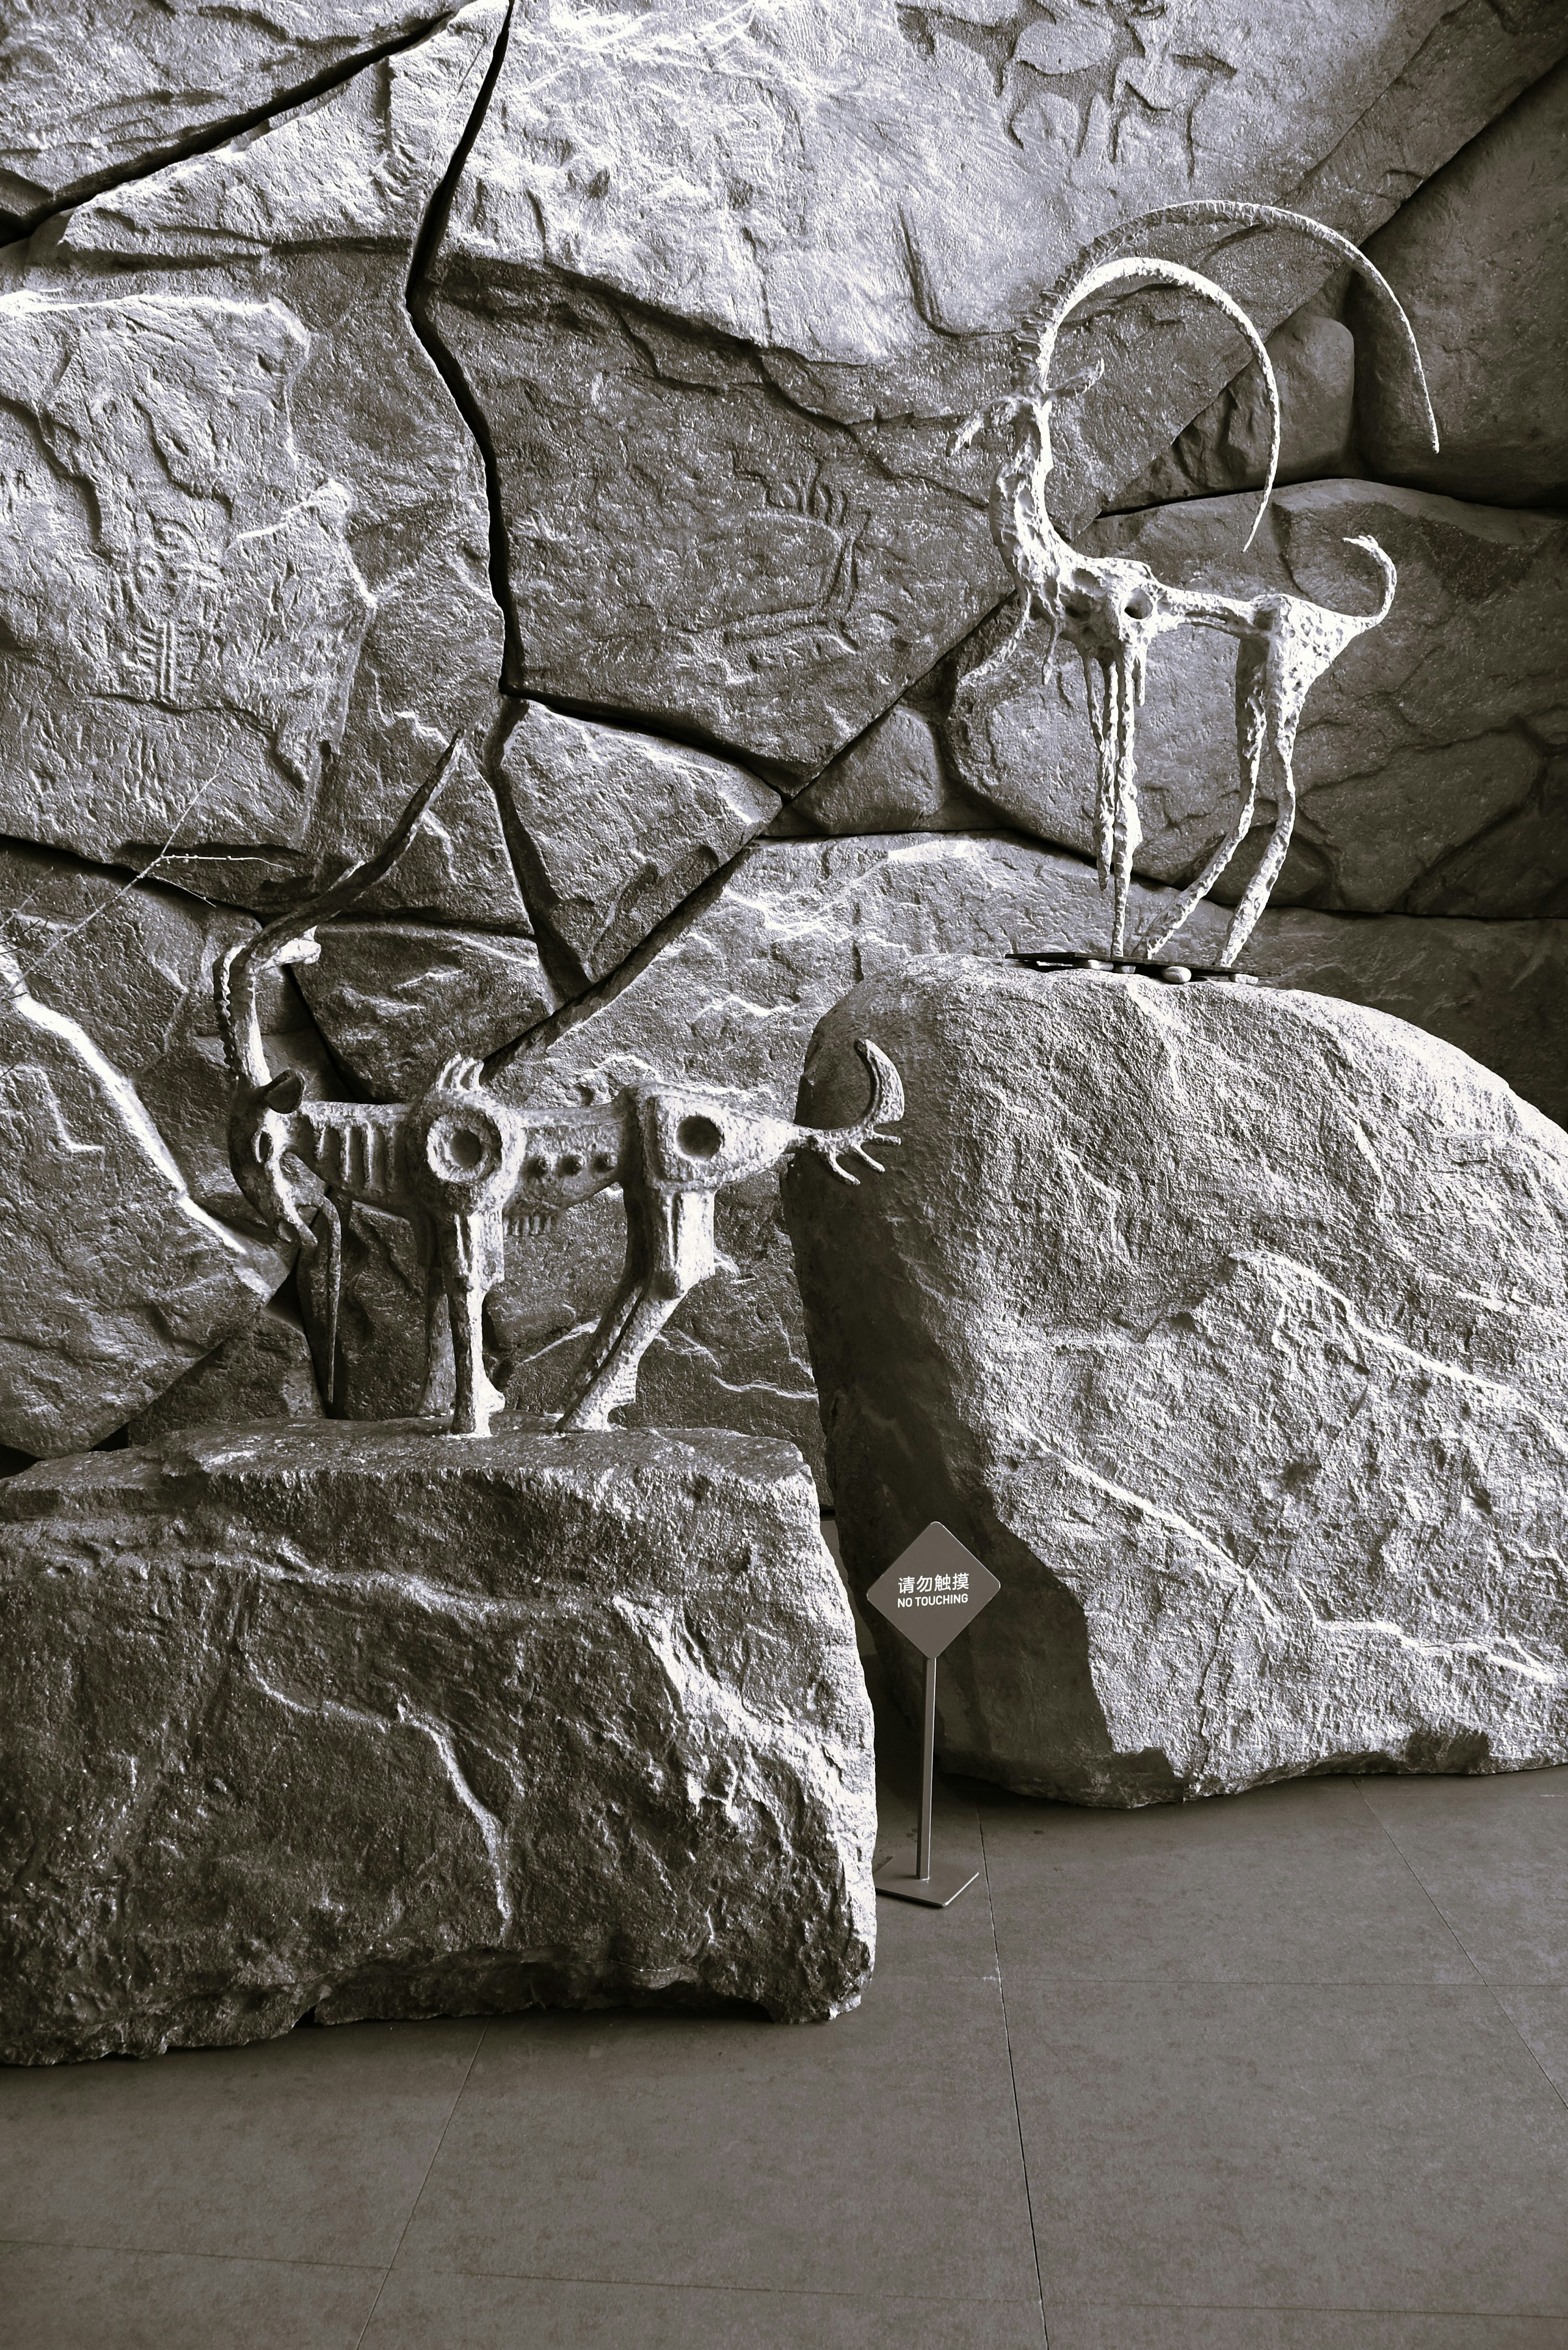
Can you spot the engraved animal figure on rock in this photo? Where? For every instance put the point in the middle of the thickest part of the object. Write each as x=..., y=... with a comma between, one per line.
x=1111, y=608
x=461, y=1165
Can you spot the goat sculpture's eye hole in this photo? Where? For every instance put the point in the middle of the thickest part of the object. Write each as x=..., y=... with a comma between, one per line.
x=1139, y=605
x=467, y=1147
x=698, y=1137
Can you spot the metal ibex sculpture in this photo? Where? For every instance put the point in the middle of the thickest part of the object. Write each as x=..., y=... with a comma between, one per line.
x=1112, y=607
x=461, y=1165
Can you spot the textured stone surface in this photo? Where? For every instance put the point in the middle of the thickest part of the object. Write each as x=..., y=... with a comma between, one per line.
x=1231, y=1328
x=891, y=780
x=113, y=1281
x=90, y=88
x=618, y=828
x=721, y=283
x=1226, y=447
x=732, y=1004
x=1479, y=258
x=396, y=999
x=377, y=1723
x=1427, y=734
x=249, y=592
x=134, y=966
x=262, y=1371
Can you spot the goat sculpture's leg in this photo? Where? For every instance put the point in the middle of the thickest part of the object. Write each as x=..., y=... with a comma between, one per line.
x=1285, y=690
x=1251, y=657
x=436, y=1397
x=635, y=1273
x=472, y=1262
x=676, y=1249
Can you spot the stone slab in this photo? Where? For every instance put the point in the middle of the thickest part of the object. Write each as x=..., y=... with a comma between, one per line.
x=1479, y=258
x=361, y=1722
x=1229, y=1327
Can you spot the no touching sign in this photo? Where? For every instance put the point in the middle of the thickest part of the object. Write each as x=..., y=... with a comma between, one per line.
x=931, y=1593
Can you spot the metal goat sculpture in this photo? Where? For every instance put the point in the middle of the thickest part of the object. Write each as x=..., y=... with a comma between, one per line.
x=462, y=1165
x=1112, y=607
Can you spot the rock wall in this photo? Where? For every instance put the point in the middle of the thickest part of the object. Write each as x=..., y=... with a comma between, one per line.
x=582, y=383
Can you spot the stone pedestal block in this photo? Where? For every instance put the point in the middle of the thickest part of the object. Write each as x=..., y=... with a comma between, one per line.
x=371, y=1722
x=1229, y=1326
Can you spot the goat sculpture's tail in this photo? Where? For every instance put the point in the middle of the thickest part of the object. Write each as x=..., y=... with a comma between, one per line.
x=832, y=1144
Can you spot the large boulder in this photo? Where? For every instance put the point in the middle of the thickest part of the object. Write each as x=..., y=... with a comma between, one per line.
x=1422, y=751
x=720, y=286
x=1479, y=258
x=1229, y=1327
x=731, y=1001
x=247, y=594
x=375, y=1724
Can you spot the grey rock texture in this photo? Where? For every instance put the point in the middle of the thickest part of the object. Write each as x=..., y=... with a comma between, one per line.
x=618, y=828
x=1226, y=447
x=252, y=595
x=1231, y=1328
x=375, y=1724
x=396, y=999
x=771, y=260
x=731, y=1002
x=134, y=966
x=1427, y=745
x=262, y=1371
x=1479, y=258
x=891, y=780
x=92, y=88
x=113, y=1281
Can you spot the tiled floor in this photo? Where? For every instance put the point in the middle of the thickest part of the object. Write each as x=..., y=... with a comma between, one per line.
x=1288, y=2072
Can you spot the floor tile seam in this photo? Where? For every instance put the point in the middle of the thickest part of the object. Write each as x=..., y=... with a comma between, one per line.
x=184, y=2252
x=424, y=2182
x=1437, y=1910
x=1013, y=2078
x=1307, y=2309
x=417, y=2268
x=1556, y=2090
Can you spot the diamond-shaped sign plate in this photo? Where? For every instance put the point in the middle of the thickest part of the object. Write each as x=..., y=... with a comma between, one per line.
x=933, y=1590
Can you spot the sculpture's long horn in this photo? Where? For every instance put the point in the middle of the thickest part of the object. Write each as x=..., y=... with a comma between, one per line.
x=236, y=982
x=1136, y=267
x=886, y=1107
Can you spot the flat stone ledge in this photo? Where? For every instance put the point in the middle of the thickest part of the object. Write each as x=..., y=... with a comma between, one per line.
x=367, y=1722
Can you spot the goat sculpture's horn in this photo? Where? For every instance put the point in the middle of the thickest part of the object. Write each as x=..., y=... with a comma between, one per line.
x=237, y=980
x=886, y=1107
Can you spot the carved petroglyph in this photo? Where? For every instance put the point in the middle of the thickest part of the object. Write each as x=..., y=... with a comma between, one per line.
x=170, y=566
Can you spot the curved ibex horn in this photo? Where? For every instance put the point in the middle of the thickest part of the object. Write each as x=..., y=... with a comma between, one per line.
x=887, y=1104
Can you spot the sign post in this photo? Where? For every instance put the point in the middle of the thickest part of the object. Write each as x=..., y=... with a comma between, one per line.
x=932, y=1592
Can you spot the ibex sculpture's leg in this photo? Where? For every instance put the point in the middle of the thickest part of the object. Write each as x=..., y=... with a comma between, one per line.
x=670, y=1236
x=1251, y=657
x=472, y=1262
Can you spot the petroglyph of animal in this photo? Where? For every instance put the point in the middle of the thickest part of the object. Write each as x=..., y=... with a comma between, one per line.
x=1111, y=608
x=462, y=1165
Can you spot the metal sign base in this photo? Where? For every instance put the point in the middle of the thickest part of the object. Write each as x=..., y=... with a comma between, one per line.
x=942, y=1885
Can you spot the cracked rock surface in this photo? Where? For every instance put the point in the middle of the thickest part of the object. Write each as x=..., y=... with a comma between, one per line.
x=90, y=88
x=371, y=1722
x=721, y=282
x=1229, y=1327
x=113, y=1280
x=250, y=597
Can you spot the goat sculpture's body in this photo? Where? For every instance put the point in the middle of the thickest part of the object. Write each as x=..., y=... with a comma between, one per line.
x=461, y=1165
x=1111, y=608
